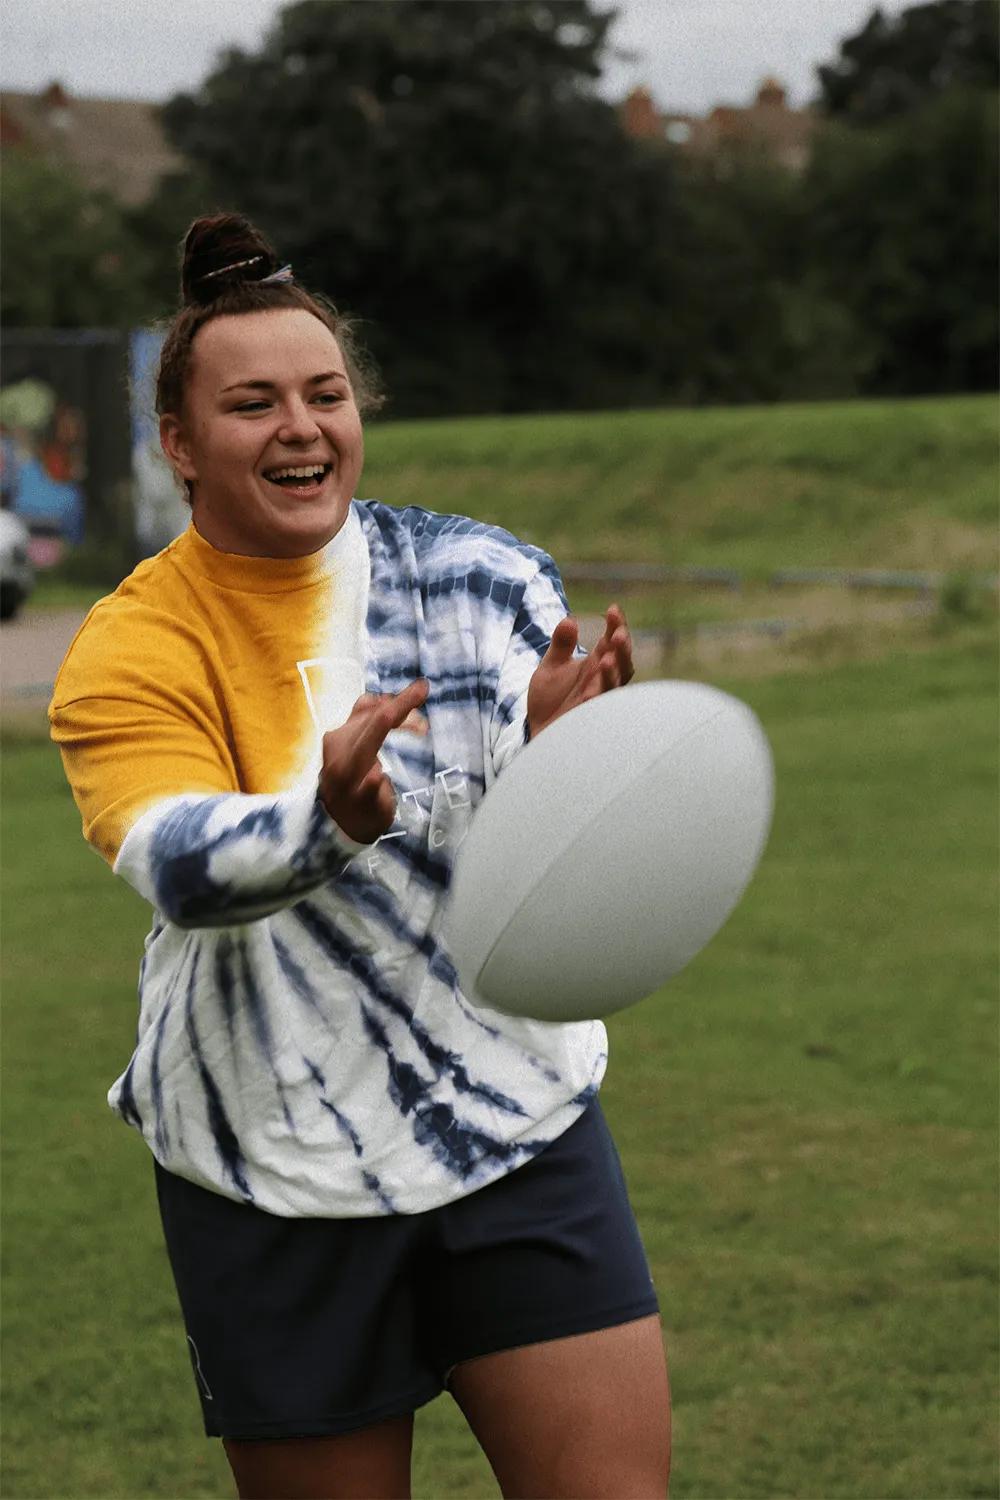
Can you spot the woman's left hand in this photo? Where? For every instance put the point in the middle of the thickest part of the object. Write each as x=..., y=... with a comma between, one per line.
x=561, y=681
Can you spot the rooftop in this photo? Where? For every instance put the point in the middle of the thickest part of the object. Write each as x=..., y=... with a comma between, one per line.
x=115, y=145
x=767, y=122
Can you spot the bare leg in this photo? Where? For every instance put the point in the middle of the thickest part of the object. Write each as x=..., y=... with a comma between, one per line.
x=372, y=1464
x=582, y=1418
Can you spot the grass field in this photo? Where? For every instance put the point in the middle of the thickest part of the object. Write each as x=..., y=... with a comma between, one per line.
x=806, y=1116
x=902, y=484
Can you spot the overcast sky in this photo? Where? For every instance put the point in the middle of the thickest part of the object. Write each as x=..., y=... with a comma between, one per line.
x=691, y=54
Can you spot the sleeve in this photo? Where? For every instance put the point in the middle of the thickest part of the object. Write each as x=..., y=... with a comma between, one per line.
x=543, y=604
x=225, y=860
x=145, y=750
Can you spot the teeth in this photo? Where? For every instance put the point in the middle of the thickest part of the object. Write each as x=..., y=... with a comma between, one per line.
x=297, y=473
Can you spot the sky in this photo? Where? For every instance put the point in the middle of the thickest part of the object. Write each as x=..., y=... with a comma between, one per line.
x=690, y=54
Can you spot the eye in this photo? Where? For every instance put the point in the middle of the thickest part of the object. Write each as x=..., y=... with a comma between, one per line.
x=251, y=406
x=329, y=397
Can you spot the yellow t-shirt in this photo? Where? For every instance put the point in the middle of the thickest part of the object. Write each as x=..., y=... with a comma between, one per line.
x=207, y=672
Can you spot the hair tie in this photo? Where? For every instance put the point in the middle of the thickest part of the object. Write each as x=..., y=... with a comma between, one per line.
x=236, y=266
x=285, y=274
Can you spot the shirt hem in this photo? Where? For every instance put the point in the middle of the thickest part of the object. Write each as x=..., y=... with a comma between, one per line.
x=184, y=1168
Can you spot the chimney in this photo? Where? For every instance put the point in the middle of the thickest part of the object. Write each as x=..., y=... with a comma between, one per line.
x=771, y=95
x=639, y=117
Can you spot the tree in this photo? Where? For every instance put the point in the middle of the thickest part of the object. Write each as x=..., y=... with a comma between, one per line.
x=903, y=234
x=895, y=64
x=447, y=169
x=68, y=260
x=156, y=229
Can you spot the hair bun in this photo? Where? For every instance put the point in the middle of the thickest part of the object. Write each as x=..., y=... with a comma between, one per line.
x=220, y=249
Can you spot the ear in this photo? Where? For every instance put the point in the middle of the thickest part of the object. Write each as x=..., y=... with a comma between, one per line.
x=173, y=441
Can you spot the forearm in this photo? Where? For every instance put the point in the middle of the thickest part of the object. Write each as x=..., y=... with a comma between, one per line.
x=221, y=861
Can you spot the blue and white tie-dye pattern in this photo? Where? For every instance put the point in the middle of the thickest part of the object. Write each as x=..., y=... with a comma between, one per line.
x=303, y=1041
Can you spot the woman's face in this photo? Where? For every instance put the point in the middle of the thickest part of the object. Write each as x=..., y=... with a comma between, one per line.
x=267, y=393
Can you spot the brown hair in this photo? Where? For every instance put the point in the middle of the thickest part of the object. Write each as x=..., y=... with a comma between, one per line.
x=223, y=266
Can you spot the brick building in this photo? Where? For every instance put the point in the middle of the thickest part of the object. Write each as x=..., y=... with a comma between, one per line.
x=727, y=132
x=115, y=145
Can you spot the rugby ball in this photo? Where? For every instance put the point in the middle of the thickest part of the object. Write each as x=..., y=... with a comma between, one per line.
x=609, y=851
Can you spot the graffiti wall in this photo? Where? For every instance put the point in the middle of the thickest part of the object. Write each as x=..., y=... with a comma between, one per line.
x=64, y=434
x=80, y=457
x=43, y=464
x=160, y=512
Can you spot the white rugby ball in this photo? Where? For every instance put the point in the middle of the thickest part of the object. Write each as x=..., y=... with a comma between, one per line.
x=609, y=851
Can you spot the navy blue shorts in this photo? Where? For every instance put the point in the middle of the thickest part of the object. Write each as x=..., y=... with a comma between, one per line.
x=313, y=1327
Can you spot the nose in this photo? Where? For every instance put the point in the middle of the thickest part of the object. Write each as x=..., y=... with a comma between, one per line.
x=298, y=423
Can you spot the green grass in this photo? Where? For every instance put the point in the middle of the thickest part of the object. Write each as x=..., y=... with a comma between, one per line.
x=806, y=1116
x=902, y=484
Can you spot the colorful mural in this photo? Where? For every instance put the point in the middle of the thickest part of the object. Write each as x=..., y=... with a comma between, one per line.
x=160, y=511
x=43, y=464
x=80, y=456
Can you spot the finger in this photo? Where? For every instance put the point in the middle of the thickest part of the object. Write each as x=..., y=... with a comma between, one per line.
x=372, y=779
x=405, y=705
x=357, y=741
x=590, y=681
x=375, y=800
x=592, y=687
x=417, y=691
x=606, y=667
x=391, y=712
x=601, y=661
x=626, y=667
x=621, y=643
x=415, y=722
x=610, y=673
x=614, y=617
x=396, y=708
x=614, y=659
x=615, y=639
x=377, y=719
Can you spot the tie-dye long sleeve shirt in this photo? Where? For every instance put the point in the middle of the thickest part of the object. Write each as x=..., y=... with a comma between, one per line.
x=303, y=1043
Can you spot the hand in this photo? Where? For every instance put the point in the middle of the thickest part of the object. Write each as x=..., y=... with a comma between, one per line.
x=561, y=681
x=353, y=787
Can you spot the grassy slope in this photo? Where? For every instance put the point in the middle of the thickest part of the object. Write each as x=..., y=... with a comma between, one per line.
x=806, y=1118
x=898, y=484
x=904, y=484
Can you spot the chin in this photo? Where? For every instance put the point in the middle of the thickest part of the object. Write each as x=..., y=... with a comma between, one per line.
x=308, y=531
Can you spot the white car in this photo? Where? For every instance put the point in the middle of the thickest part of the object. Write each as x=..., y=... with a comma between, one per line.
x=17, y=576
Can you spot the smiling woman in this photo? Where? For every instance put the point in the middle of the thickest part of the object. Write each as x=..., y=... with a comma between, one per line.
x=370, y=1192
x=271, y=460
x=231, y=281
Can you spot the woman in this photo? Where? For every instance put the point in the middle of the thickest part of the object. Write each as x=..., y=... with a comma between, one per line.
x=277, y=731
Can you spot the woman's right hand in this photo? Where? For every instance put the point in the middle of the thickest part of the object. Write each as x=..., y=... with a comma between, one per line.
x=353, y=787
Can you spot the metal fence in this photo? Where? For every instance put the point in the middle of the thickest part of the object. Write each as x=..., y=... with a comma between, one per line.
x=928, y=585
x=855, y=578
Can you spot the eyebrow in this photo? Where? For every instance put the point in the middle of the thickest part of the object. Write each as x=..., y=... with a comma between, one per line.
x=269, y=385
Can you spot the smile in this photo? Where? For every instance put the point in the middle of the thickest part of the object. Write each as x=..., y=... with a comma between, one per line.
x=299, y=476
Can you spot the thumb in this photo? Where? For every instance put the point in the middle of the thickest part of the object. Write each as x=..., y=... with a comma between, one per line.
x=564, y=638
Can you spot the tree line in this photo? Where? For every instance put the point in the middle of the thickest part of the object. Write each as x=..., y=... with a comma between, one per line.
x=447, y=170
